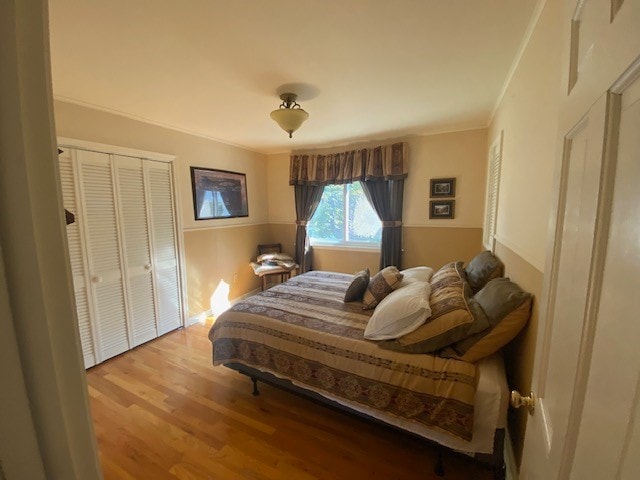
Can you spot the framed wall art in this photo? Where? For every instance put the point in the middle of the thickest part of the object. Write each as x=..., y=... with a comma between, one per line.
x=218, y=194
x=442, y=209
x=443, y=187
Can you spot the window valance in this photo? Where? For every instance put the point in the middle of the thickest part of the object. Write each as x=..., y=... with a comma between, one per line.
x=384, y=162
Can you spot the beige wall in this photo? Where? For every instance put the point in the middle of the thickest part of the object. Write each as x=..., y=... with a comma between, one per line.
x=528, y=115
x=214, y=249
x=458, y=154
x=425, y=242
x=281, y=205
x=285, y=234
x=342, y=260
x=520, y=353
x=217, y=255
x=436, y=246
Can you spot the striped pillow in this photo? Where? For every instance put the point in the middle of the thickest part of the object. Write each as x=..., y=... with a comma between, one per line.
x=382, y=284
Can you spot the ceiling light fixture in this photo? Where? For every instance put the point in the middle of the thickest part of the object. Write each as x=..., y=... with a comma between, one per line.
x=289, y=115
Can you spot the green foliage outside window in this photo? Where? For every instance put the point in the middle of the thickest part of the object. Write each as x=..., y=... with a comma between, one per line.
x=345, y=216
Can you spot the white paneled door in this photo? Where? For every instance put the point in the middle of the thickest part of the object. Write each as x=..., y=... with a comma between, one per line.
x=587, y=375
x=123, y=249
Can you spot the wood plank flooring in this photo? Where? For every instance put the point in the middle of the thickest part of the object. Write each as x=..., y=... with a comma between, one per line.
x=162, y=411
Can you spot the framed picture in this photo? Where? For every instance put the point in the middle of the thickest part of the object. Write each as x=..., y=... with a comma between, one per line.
x=218, y=194
x=442, y=208
x=443, y=187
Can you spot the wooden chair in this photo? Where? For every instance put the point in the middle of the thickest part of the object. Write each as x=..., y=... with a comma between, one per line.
x=269, y=248
x=269, y=271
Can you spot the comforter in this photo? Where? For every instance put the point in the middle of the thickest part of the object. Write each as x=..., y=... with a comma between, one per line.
x=302, y=331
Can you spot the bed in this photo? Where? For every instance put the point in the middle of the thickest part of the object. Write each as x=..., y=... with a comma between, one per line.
x=301, y=335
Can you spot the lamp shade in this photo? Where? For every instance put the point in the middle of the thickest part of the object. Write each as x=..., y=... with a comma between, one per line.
x=289, y=119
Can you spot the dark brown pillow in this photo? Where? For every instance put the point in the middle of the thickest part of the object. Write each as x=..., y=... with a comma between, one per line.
x=382, y=284
x=358, y=286
x=484, y=267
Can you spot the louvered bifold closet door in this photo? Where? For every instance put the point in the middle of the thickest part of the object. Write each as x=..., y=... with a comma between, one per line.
x=134, y=230
x=103, y=252
x=493, y=190
x=159, y=187
x=77, y=256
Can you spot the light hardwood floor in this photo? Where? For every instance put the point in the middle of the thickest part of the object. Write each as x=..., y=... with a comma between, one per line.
x=162, y=411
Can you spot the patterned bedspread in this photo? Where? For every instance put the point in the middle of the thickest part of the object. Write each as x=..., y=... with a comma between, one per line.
x=302, y=331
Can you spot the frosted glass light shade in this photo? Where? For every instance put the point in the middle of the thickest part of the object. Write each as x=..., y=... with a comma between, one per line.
x=289, y=119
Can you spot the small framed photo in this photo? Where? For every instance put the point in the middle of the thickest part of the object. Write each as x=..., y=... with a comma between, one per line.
x=218, y=194
x=443, y=187
x=442, y=208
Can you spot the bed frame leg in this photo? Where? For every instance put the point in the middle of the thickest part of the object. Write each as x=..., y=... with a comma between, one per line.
x=255, y=392
x=439, y=467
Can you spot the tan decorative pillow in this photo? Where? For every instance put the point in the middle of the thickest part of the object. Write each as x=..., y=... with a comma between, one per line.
x=483, y=267
x=454, y=315
x=382, y=284
x=358, y=286
x=508, y=309
x=447, y=274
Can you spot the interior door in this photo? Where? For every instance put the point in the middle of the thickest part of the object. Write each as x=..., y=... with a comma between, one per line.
x=609, y=439
x=77, y=255
x=134, y=230
x=587, y=372
x=105, y=265
x=571, y=276
x=159, y=188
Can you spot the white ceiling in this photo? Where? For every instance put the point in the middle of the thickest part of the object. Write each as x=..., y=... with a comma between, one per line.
x=368, y=69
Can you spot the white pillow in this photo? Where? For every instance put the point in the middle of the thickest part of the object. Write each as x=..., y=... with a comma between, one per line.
x=400, y=312
x=416, y=274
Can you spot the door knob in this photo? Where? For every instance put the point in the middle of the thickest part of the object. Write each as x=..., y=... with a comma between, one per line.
x=147, y=267
x=518, y=400
x=96, y=279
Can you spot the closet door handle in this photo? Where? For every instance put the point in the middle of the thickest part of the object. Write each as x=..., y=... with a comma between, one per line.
x=96, y=279
x=147, y=267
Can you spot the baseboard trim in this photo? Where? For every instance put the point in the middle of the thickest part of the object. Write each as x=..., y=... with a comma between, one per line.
x=509, y=458
x=246, y=295
x=207, y=313
x=199, y=318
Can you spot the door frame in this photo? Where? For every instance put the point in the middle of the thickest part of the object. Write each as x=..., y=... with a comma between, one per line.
x=36, y=264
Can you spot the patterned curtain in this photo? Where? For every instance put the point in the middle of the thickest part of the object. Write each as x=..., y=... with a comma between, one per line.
x=385, y=162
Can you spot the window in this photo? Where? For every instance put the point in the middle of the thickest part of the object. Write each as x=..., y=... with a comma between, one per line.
x=345, y=217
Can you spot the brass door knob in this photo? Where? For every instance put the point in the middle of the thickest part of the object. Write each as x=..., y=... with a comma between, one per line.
x=517, y=401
